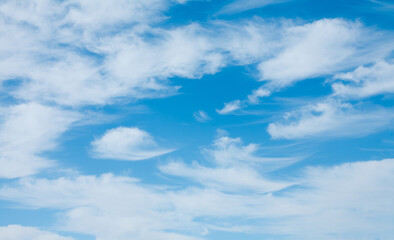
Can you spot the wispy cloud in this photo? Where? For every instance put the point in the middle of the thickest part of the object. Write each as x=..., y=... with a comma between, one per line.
x=17, y=232
x=230, y=107
x=238, y=6
x=365, y=81
x=236, y=167
x=27, y=131
x=330, y=201
x=201, y=116
x=328, y=119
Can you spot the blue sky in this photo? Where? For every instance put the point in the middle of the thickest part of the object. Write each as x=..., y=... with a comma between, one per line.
x=196, y=120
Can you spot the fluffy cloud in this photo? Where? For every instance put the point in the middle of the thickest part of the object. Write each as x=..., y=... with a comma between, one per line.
x=87, y=53
x=129, y=144
x=322, y=47
x=26, y=131
x=16, y=232
x=330, y=118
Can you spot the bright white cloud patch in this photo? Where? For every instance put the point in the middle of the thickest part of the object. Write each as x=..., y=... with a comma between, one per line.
x=26, y=131
x=322, y=47
x=17, y=232
x=129, y=144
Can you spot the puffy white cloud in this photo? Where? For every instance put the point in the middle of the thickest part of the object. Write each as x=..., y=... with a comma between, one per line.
x=329, y=118
x=365, y=81
x=17, y=232
x=323, y=47
x=129, y=144
x=26, y=131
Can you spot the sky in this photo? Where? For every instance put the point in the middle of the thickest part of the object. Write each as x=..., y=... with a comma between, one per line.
x=196, y=120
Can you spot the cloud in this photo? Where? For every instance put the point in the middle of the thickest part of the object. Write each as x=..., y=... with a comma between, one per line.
x=107, y=206
x=78, y=53
x=340, y=200
x=236, y=167
x=296, y=52
x=238, y=6
x=323, y=47
x=230, y=107
x=26, y=131
x=330, y=118
x=350, y=201
x=261, y=92
x=365, y=81
x=201, y=116
x=130, y=144
x=17, y=232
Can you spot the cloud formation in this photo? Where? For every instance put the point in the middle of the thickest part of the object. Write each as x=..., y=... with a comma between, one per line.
x=365, y=82
x=17, y=232
x=236, y=167
x=27, y=131
x=336, y=200
x=330, y=118
x=130, y=144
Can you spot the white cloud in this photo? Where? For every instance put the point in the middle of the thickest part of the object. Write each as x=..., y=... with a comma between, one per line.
x=236, y=167
x=329, y=118
x=261, y=92
x=26, y=131
x=350, y=201
x=87, y=53
x=107, y=206
x=130, y=144
x=201, y=116
x=323, y=47
x=365, y=81
x=17, y=232
x=232, y=179
x=84, y=53
x=244, y=5
x=288, y=52
x=227, y=151
x=230, y=107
